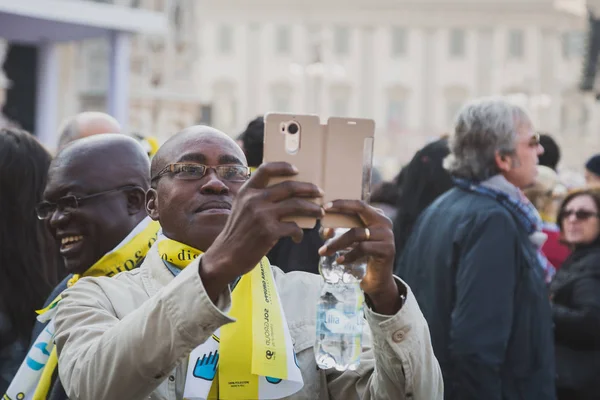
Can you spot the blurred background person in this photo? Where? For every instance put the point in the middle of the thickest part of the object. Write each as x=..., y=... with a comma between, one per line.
x=385, y=197
x=592, y=171
x=86, y=124
x=546, y=194
x=422, y=181
x=575, y=294
x=551, y=156
x=473, y=264
x=29, y=260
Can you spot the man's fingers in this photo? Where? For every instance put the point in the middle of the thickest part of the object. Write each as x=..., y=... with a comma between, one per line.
x=263, y=174
x=366, y=250
x=348, y=239
x=367, y=214
x=287, y=189
x=292, y=230
x=297, y=207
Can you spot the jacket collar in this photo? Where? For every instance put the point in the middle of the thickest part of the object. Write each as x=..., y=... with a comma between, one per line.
x=154, y=273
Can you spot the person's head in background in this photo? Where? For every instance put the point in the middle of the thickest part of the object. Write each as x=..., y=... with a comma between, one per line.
x=546, y=193
x=592, y=171
x=86, y=124
x=385, y=197
x=252, y=141
x=579, y=218
x=28, y=257
x=494, y=137
x=423, y=180
x=551, y=156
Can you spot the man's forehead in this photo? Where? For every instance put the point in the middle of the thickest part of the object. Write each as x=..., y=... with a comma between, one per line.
x=205, y=148
x=77, y=175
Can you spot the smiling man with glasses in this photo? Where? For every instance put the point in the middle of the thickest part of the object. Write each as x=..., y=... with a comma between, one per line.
x=94, y=205
x=95, y=197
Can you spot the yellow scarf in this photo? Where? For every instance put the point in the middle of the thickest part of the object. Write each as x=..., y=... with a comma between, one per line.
x=34, y=378
x=250, y=366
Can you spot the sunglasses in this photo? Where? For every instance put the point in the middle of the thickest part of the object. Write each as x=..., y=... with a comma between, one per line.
x=580, y=215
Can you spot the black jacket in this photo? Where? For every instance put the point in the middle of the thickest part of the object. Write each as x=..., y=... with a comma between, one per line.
x=303, y=256
x=575, y=294
x=480, y=287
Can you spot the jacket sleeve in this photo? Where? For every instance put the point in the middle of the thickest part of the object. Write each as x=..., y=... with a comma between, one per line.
x=399, y=363
x=579, y=325
x=482, y=317
x=102, y=357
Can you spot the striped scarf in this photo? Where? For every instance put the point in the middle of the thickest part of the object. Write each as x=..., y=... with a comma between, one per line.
x=513, y=199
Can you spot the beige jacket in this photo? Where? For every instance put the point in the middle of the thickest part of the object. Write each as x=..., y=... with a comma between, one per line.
x=128, y=337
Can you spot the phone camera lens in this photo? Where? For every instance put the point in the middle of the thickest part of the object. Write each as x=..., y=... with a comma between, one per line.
x=293, y=128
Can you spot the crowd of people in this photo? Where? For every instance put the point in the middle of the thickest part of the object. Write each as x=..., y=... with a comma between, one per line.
x=122, y=259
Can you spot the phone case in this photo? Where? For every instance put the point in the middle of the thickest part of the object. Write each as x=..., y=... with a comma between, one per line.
x=337, y=157
x=347, y=166
x=308, y=159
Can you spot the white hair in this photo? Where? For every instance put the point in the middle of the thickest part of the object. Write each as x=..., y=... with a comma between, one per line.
x=483, y=127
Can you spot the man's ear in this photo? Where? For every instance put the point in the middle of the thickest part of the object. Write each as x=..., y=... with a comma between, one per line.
x=503, y=161
x=136, y=201
x=152, y=203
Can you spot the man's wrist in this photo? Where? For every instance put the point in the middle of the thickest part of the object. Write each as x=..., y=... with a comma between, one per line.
x=213, y=274
x=387, y=301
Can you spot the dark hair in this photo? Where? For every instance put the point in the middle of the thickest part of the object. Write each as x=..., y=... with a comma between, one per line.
x=551, y=155
x=253, y=138
x=422, y=181
x=593, y=192
x=27, y=253
x=386, y=193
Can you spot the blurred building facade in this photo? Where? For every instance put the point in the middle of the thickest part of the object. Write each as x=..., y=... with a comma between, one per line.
x=409, y=64
x=163, y=93
x=35, y=35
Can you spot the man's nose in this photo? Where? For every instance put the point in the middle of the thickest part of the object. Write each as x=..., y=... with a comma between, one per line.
x=213, y=184
x=540, y=150
x=57, y=218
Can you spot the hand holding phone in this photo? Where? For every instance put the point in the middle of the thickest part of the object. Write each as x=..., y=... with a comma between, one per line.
x=337, y=157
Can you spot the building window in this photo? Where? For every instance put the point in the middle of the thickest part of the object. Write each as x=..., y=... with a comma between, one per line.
x=96, y=53
x=339, y=106
x=281, y=99
x=224, y=111
x=396, y=114
x=457, y=43
x=574, y=117
x=283, y=40
x=340, y=96
x=399, y=41
x=341, y=40
x=516, y=43
x=572, y=45
x=225, y=39
x=453, y=107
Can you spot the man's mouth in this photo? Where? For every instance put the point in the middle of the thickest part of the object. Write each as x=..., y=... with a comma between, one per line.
x=215, y=207
x=68, y=244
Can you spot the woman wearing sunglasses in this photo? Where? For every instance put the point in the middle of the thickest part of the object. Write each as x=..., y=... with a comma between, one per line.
x=575, y=294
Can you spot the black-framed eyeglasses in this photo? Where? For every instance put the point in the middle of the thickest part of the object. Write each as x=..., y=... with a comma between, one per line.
x=46, y=209
x=580, y=215
x=190, y=172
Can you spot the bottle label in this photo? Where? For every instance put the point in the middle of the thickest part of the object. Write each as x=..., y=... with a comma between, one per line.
x=337, y=322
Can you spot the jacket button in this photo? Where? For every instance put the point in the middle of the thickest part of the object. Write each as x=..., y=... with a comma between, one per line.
x=172, y=378
x=398, y=336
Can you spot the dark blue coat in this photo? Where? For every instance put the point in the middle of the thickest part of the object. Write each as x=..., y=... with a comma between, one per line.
x=476, y=277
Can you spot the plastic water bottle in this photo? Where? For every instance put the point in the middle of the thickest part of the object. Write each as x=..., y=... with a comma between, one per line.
x=340, y=313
